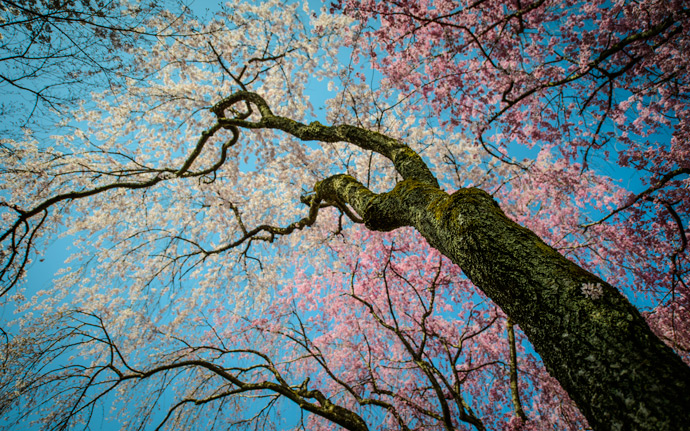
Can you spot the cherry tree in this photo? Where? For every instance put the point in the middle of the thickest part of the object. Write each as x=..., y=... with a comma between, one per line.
x=398, y=268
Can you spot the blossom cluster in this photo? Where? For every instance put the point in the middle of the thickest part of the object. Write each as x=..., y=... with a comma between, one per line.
x=592, y=290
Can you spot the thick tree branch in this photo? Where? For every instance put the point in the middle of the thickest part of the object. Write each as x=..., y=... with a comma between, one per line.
x=590, y=344
x=406, y=161
x=324, y=407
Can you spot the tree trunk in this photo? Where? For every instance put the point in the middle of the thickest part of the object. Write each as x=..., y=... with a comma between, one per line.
x=600, y=349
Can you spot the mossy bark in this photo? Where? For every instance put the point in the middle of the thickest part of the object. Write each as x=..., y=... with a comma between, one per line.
x=601, y=350
x=603, y=353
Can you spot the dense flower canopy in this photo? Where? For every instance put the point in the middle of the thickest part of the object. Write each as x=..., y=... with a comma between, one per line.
x=206, y=293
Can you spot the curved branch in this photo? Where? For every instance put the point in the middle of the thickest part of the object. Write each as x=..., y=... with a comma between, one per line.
x=594, y=64
x=325, y=408
x=662, y=182
x=160, y=175
x=407, y=162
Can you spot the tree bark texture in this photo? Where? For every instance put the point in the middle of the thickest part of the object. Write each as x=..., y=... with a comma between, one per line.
x=603, y=353
x=600, y=349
